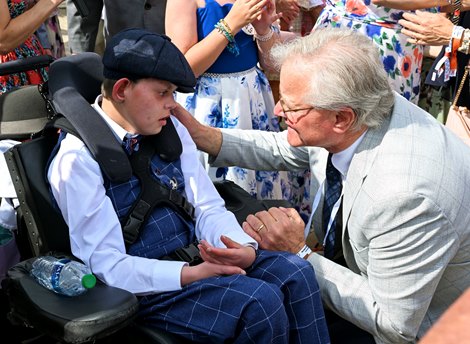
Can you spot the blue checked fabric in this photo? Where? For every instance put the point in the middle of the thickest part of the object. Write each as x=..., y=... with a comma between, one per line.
x=165, y=230
x=334, y=186
x=277, y=302
x=131, y=143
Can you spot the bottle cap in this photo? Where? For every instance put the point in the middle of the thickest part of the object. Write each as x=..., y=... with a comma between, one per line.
x=88, y=281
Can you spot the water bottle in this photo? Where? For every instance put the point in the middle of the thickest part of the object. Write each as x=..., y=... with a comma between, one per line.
x=63, y=276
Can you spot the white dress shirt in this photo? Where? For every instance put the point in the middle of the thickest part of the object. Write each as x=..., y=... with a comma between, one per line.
x=341, y=162
x=95, y=231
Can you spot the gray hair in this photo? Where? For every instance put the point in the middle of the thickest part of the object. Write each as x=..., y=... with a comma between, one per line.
x=345, y=71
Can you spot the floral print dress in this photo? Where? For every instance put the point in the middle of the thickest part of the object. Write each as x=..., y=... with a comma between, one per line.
x=402, y=60
x=31, y=47
x=235, y=93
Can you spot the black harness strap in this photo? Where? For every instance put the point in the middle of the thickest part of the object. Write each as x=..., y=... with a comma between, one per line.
x=153, y=192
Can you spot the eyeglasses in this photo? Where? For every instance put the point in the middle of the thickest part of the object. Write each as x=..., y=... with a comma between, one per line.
x=294, y=112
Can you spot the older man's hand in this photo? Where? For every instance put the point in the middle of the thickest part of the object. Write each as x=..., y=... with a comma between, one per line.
x=278, y=229
x=426, y=28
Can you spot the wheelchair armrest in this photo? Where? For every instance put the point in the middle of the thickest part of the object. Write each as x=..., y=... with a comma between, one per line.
x=99, y=312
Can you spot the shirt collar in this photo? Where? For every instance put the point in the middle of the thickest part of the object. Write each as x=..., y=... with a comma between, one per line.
x=342, y=160
x=118, y=131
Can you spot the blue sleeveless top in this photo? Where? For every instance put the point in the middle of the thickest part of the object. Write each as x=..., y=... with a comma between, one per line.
x=227, y=62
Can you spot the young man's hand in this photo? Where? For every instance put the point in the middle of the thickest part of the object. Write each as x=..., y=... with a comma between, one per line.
x=219, y=261
x=190, y=274
x=235, y=254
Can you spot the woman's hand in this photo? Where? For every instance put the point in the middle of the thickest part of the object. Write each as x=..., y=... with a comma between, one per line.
x=426, y=28
x=289, y=8
x=244, y=12
x=263, y=23
x=234, y=255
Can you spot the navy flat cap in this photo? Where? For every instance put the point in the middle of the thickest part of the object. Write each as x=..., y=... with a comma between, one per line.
x=137, y=54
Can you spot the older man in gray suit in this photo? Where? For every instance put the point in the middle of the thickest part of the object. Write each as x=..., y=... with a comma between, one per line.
x=397, y=233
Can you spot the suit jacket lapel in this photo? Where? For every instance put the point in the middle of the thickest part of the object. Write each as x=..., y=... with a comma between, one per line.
x=361, y=163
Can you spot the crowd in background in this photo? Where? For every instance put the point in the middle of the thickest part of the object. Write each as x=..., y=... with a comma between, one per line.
x=407, y=63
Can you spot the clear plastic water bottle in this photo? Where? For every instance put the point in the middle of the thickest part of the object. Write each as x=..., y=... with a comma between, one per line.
x=63, y=276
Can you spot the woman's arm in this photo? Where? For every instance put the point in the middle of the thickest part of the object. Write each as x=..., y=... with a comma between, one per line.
x=411, y=5
x=181, y=27
x=445, y=5
x=15, y=31
x=266, y=34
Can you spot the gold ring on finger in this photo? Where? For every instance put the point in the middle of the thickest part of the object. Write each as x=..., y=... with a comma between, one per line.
x=259, y=228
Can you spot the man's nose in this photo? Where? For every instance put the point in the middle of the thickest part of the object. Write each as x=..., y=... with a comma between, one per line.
x=278, y=110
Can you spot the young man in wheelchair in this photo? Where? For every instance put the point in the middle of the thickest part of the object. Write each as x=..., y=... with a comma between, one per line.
x=236, y=292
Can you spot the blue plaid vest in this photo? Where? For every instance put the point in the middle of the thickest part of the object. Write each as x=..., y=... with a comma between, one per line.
x=165, y=229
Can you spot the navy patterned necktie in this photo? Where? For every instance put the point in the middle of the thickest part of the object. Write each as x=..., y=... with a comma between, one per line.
x=131, y=143
x=334, y=186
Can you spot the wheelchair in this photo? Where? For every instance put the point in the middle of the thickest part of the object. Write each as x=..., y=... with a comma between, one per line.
x=104, y=313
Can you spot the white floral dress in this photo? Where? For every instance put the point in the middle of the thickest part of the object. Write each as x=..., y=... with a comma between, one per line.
x=235, y=93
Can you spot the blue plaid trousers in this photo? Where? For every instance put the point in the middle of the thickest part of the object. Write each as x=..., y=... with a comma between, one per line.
x=278, y=301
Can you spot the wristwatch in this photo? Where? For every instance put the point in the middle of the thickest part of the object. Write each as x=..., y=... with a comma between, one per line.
x=305, y=252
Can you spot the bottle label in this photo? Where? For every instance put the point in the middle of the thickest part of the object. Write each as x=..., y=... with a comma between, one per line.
x=55, y=275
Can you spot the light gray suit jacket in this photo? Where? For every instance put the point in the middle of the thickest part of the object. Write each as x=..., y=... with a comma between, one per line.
x=406, y=219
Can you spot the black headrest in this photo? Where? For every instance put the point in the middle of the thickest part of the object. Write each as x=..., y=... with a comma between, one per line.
x=74, y=83
x=82, y=72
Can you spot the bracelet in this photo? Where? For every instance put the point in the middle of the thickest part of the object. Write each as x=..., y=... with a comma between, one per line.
x=305, y=252
x=225, y=30
x=229, y=30
x=465, y=46
x=266, y=37
x=454, y=45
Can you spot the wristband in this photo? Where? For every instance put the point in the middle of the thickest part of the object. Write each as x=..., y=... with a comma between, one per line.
x=305, y=252
x=465, y=45
x=266, y=37
x=454, y=45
